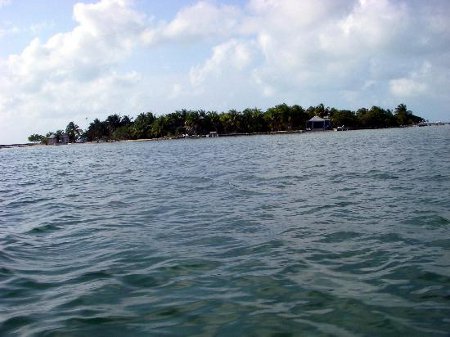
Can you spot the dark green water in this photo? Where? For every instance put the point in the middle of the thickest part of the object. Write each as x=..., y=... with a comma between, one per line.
x=323, y=234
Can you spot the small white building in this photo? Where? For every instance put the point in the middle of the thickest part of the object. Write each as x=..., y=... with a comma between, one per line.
x=52, y=139
x=317, y=123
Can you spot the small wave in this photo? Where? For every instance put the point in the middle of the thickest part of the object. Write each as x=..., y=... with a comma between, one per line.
x=44, y=229
x=247, y=188
x=93, y=275
x=140, y=281
x=340, y=237
x=434, y=178
x=13, y=324
x=434, y=278
x=116, y=204
x=381, y=175
x=5, y=273
x=431, y=221
x=260, y=184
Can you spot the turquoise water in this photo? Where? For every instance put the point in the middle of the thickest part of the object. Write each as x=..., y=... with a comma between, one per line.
x=319, y=234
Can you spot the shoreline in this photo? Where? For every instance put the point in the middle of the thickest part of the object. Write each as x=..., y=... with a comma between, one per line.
x=9, y=146
x=287, y=132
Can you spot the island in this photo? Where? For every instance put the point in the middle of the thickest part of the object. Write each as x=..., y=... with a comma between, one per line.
x=184, y=123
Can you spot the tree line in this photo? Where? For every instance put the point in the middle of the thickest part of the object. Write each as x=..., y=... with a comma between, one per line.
x=199, y=122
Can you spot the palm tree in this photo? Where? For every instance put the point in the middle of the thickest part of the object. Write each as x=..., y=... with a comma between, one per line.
x=73, y=131
x=97, y=130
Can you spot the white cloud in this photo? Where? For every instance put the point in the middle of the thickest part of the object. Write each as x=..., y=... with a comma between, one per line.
x=412, y=85
x=227, y=57
x=332, y=51
x=199, y=21
x=203, y=18
x=221, y=82
x=104, y=36
x=406, y=87
x=73, y=73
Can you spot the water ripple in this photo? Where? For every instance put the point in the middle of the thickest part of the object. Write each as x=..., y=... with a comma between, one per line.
x=324, y=234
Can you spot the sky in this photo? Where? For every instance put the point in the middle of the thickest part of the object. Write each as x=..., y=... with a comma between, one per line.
x=63, y=61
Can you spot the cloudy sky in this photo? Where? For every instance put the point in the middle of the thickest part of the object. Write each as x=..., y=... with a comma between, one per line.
x=63, y=61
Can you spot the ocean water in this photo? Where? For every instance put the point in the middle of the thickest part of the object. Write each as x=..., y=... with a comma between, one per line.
x=317, y=234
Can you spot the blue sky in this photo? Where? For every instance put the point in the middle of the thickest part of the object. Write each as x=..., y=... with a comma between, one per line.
x=63, y=61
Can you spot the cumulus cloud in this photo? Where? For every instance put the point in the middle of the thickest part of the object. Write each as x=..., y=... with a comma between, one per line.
x=73, y=73
x=229, y=56
x=199, y=21
x=104, y=35
x=414, y=84
x=406, y=87
x=203, y=19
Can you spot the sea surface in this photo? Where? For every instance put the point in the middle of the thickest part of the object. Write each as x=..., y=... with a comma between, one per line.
x=315, y=234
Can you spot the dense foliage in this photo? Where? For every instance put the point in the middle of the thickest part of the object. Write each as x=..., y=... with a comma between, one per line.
x=36, y=138
x=199, y=122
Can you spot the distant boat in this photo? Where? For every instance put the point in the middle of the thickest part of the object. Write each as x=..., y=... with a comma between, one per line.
x=341, y=128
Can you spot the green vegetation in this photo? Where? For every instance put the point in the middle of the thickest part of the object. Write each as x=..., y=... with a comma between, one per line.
x=199, y=122
x=73, y=131
x=35, y=138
